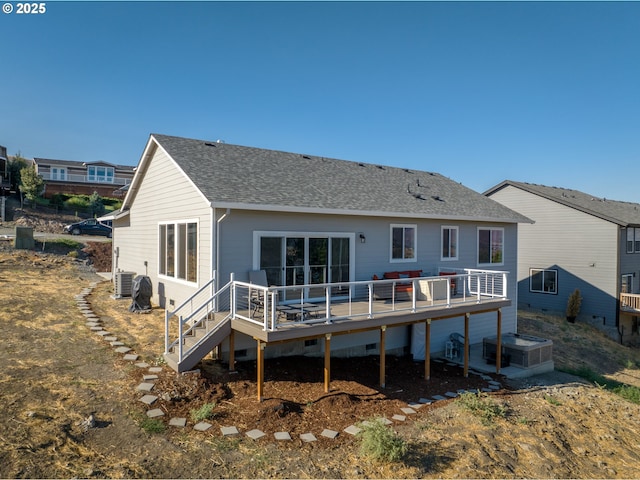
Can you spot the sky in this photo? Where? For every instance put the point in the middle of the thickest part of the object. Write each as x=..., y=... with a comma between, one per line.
x=480, y=92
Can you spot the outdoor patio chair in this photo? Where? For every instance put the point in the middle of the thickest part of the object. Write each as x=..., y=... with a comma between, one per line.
x=256, y=297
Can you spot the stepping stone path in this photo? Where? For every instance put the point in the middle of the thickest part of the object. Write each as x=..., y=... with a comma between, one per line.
x=94, y=324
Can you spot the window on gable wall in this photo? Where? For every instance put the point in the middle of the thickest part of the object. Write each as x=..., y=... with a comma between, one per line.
x=490, y=246
x=403, y=243
x=449, y=243
x=178, y=250
x=543, y=281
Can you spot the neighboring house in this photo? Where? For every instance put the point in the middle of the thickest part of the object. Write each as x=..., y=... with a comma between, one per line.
x=320, y=229
x=83, y=178
x=579, y=241
x=4, y=171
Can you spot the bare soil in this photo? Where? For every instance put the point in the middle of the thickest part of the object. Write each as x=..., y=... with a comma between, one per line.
x=57, y=373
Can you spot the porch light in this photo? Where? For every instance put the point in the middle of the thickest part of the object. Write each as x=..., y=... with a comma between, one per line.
x=362, y=238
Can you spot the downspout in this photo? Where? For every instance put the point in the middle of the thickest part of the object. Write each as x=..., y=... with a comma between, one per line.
x=217, y=227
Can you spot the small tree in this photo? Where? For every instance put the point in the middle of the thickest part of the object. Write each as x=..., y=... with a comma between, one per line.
x=31, y=184
x=16, y=164
x=573, y=305
x=96, y=204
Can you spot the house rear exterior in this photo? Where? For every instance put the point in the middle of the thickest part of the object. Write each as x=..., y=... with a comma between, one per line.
x=196, y=209
x=579, y=241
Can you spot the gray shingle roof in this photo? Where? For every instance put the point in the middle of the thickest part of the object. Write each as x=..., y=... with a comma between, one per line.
x=77, y=164
x=245, y=176
x=621, y=213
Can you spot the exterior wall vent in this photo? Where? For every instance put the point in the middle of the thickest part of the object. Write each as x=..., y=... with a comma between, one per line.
x=123, y=283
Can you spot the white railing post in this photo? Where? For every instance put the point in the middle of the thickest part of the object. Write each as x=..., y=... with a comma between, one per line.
x=328, y=303
x=214, y=289
x=414, y=296
x=370, y=286
x=448, y=290
x=180, y=346
x=166, y=331
x=273, y=296
x=504, y=284
x=232, y=295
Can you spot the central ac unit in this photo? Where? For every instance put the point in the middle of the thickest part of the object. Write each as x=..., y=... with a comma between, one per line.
x=123, y=284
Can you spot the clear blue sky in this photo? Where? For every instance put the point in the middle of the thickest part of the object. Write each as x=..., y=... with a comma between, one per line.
x=541, y=92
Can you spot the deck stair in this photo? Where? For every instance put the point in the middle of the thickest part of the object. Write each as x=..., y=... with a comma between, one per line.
x=198, y=343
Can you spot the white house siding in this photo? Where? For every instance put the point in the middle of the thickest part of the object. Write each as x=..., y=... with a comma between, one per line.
x=372, y=257
x=165, y=195
x=583, y=249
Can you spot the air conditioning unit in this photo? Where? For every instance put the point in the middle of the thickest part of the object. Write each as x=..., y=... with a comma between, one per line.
x=123, y=282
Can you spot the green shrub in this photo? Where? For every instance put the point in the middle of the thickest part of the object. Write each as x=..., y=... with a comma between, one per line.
x=482, y=406
x=202, y=413
x=153, y=425
x=380, y=442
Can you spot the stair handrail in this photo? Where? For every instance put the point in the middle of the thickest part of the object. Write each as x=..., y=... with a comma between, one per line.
x=210, y=302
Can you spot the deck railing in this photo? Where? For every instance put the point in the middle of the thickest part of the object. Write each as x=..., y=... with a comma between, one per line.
x=273, y=307
x=70, y=177
x=630, y=301
x=282, y=307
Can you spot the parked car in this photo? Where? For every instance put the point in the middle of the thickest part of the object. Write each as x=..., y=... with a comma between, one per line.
x=89, y=227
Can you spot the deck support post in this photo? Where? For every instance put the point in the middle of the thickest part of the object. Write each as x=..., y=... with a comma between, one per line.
x=327, y=362
x=260, y=368
x=427, y=349
x=232, y=351
x=466, y=344
x=383, y=336
x=499, y=342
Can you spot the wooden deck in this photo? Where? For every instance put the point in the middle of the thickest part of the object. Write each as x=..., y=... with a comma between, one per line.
x=353, y=317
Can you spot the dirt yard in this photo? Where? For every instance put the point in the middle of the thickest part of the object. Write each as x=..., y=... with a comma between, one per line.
x=57, y=373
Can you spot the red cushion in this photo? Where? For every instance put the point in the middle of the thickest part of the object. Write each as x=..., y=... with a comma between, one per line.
x=392, y=275
x=415, y=273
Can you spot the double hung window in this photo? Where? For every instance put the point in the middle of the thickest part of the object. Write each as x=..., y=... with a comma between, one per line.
x=403, y=243
x=490, y=246
x=449, y=243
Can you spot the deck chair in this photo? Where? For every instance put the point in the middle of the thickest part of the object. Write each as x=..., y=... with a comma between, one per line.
x=256, y=297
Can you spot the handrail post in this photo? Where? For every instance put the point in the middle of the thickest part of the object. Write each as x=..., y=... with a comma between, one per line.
x=448, y=291
x=273, y=296
x=328, y=303
x=166, y=331
x=414, y=296
x=370, y=285
x=504, y=284
x=232, y=295
x=180, y=345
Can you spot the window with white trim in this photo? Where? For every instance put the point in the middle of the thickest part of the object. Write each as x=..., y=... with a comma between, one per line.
x=403, y=243
x=543, y=281
x=100, y=174
x=178, y=250
x=449, y=243
x=58, y=173
x=490, y=246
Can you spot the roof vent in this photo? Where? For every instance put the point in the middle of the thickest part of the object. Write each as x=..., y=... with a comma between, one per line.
x=306, y=156
x=380, y=167
x=437, y=198
x=209, y=144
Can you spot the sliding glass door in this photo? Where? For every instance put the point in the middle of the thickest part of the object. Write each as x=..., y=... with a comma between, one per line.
x=305, y=259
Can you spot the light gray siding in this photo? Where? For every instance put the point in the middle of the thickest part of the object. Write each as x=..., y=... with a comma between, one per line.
x=165, y=195
x=372, y=257
x=581, y=247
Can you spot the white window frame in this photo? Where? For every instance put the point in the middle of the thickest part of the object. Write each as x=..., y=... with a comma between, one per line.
x=177, y=265
x=630, y=239
x=58, y=173
x=623, y=278
x=404, y=227
x=450, y=229
x=100, y=174
x=491, y=242
x=544, y=271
